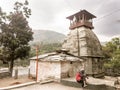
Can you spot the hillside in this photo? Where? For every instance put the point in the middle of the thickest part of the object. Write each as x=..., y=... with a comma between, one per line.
x=47, y=36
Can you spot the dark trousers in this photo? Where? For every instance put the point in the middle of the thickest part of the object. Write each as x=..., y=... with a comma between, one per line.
x=82, y=82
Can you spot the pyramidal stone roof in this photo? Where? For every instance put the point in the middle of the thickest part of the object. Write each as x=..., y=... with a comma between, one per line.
x=83, y=42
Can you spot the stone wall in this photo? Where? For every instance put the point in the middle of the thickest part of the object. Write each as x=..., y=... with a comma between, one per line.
x=88, y=66
x=84, y=43
x=69, y=69
x=112, y=71
x=97, y=65
x=4, y=74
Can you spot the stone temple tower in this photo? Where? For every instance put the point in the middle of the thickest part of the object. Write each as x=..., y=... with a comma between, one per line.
x=82, y=42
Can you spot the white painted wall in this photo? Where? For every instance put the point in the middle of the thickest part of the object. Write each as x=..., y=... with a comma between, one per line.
x=46, y=70
x=55, y=70
x=49, y=70
x=33, y=68
x=21, y=71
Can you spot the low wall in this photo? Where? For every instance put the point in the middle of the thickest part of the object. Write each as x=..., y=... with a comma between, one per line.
x=112, y=71
x=4, y=74
x=21, y=71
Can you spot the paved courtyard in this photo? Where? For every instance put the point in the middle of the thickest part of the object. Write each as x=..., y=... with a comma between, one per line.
x=48, y=86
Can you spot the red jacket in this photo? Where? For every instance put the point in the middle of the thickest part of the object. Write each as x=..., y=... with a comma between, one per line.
x=78, y=76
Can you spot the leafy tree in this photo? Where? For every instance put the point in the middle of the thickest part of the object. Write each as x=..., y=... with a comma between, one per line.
x=112, y=51
x=15, y=33
x=44, y=48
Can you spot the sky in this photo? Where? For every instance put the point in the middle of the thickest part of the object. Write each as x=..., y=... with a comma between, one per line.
x=51, y=15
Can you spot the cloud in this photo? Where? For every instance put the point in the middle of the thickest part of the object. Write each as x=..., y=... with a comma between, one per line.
x=107, y=23
x=46, y=10
x=51, y=14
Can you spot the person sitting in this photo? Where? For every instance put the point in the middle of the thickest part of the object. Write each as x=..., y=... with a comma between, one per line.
x=81, y=78
x=84, y=76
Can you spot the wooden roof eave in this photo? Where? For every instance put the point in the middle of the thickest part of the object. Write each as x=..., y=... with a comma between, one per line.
x=80, y=13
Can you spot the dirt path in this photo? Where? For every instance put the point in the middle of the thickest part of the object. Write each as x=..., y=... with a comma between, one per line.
x=11, y=81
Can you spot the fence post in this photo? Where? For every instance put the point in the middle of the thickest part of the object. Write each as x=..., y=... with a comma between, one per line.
x=29, y=72
x=16, y=74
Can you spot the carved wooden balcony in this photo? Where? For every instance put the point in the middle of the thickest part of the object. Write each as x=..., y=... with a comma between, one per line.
x=79, y=24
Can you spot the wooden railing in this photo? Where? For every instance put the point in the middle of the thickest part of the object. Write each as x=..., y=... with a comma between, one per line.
x=79, y=24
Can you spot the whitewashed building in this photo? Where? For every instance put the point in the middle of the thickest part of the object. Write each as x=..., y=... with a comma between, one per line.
x=55, y=66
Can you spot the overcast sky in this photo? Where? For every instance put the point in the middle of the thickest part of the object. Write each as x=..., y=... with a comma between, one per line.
x=51, y=15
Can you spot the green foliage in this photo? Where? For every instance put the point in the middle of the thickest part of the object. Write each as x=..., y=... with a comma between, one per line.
x=18, y=62
x=108, y=65
x=3, y=65
x=15, y=33
x=22, y=62
x=112, y=52
x=44, y=48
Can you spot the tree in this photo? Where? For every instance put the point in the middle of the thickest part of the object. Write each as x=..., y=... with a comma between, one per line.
x=112, y=51
x=15, y=33
x=44, y=48
x=111, y=47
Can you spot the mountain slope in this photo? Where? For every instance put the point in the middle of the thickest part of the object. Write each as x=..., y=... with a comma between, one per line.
x=46, y=36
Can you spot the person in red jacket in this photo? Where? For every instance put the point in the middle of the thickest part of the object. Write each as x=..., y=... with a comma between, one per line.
x=81, y=78
x=78, y=77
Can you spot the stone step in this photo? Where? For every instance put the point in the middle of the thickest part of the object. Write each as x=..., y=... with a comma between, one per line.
x=46, y=81
x=88, y=87
x=100, y=75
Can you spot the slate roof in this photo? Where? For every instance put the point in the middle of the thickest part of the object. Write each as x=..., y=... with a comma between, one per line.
x=54, y=56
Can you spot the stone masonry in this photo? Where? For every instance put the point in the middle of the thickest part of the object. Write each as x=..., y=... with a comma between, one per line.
x=89, y=44
x=83, y=42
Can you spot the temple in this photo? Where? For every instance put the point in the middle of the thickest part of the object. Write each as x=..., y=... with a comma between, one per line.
x=83, y=43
